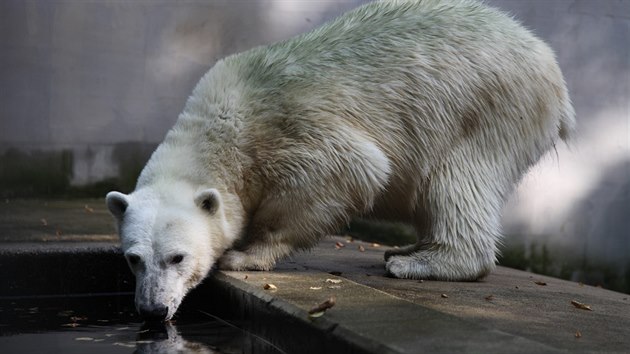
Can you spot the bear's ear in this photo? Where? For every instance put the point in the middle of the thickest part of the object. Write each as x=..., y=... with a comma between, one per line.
x=208, y=200
x=117, y=204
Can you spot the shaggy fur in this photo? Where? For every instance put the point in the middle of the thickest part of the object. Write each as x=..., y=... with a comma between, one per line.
x=427, y=112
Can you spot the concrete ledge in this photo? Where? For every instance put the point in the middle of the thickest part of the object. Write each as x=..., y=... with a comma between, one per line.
x=48, y=269
x=508, y=312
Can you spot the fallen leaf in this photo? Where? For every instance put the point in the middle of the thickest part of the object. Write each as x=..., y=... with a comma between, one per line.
x=270, y=286
x=319, y=310
x=128, y=345
x=245, y=277
x=339, y=244
x=333, y=281
x=72, y=325
x=444, y=296
x=542, y=283
x=581, y=306
x=361, y=248
x=376, y=245
x=316, y=288
x=88, y=209
x=490, y=297
x=578, y=334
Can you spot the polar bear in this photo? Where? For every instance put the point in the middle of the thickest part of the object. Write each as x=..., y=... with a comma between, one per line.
x=427, y=112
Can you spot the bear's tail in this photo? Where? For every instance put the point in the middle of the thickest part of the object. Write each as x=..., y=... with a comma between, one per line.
x=567, y=124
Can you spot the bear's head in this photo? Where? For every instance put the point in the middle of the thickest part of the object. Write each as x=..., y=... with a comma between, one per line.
x=170, y=241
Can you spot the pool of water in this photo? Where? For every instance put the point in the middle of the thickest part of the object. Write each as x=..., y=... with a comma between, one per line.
x=109, y=324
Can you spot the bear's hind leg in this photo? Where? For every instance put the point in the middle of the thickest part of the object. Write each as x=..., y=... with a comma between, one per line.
x=464, y=201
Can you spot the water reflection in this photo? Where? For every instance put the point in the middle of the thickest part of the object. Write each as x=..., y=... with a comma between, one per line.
x=109, y=324
x=164, y=338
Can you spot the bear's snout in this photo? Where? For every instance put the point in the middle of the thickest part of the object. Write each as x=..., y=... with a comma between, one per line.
x=153, y=313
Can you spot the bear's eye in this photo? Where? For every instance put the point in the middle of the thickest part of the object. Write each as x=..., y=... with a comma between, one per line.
x=177, y=259
x=133, y=259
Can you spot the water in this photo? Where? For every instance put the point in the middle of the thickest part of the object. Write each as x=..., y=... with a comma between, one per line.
x=109, y=324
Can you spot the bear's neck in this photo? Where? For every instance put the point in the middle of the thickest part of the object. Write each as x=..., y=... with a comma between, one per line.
x=194, y=152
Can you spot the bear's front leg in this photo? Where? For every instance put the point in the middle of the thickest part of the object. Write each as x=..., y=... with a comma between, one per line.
x=259, y=256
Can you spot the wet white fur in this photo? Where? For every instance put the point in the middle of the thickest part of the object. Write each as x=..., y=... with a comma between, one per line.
x=427, y=112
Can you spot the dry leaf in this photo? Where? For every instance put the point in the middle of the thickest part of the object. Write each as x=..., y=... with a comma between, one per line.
x=72, y=325
x=128, y=345
x=581, y=306
x=490, y=297
x=319, y=310
x=542, y=283
x=316, y=288
x=88, y=209
x=270, y=286
x=245, y=277
x=339, y=244
x=361, y=248
x=444, y=296
x=333, y=281
x=578, y=334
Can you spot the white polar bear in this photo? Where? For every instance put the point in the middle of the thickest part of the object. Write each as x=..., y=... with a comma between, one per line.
x=424, y=111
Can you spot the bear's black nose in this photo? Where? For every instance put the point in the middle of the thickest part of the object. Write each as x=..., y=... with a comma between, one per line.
x=153, y=313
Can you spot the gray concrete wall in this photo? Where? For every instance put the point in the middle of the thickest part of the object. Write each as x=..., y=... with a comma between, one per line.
x=88, y=88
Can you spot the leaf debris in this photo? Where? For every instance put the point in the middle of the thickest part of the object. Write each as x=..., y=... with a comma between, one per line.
x=361, y=248
x=444, y=296
x=578, y=334
x=319, y=310
x=269, y=286
x=541, y=283
x=581, y=306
